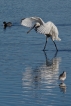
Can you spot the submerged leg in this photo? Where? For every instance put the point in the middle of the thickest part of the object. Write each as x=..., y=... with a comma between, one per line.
x=45, y=44
x=55, y=45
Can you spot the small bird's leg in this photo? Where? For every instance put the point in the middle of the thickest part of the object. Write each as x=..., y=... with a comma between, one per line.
x=55, y=45
x=45, y=44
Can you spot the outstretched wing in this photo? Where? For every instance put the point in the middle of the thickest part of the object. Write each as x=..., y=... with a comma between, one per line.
x=30, y=22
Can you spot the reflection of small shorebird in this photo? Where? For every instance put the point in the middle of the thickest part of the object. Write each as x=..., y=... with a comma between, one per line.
x=62, y=87
x=62, y=76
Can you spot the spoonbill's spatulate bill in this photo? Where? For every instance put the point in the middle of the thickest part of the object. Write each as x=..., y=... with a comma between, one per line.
x=48, y=28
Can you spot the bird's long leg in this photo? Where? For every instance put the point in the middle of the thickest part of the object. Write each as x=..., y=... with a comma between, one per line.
x=45, y=44
x=55, y=45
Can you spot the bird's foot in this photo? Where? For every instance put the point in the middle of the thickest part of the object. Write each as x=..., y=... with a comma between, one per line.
x=44, y=50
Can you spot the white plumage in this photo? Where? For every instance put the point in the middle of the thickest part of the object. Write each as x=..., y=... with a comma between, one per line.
x=48, y=29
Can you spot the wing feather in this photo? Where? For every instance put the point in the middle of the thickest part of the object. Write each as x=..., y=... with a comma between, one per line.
x=45, y=28
x=49, y=28
x=30, y=22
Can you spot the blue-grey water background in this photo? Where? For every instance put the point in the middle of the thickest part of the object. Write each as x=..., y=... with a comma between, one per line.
x=29, y=76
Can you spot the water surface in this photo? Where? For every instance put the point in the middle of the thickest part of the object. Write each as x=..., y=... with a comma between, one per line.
x=29, y=76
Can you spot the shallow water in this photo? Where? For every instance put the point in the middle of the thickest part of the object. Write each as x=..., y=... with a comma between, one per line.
x=29, y=76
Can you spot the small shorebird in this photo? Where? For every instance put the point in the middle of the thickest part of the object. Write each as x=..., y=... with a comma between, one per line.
x=62, y=76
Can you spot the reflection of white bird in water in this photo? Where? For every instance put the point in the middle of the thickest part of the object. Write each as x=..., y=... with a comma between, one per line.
x=46, y=73
x=48, y=29
x=62, y=76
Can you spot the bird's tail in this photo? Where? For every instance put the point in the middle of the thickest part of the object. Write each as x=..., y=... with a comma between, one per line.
x=58, y=39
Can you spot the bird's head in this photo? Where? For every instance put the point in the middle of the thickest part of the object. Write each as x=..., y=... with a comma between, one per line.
x=4, y=22
x=37, y=24
x=64, y=72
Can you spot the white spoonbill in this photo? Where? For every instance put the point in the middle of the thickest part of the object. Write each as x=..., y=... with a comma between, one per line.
x=48, y=28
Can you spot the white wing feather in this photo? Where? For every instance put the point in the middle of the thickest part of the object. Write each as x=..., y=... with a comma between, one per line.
x=30, y=22
x=44, y=29
x=49, y=28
